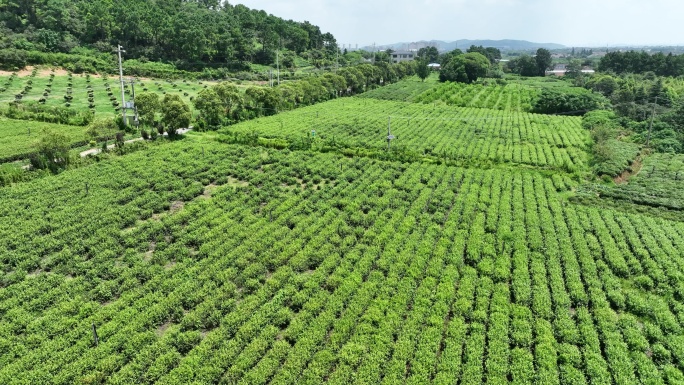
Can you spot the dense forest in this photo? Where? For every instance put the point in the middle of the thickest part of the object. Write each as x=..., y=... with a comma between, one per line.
x=640, y=62
x=191, y=34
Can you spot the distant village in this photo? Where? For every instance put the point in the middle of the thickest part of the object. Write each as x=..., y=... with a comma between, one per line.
x=561, y=57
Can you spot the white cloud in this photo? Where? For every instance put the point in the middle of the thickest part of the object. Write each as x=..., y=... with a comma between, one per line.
x=575, y=22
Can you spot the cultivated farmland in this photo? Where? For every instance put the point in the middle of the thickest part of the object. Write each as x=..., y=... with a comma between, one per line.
x=298, y=249
x=18, y=136
x=209, y=263
x=101, y=94
x=405, y=91
x=509, y=97
x=465, y=133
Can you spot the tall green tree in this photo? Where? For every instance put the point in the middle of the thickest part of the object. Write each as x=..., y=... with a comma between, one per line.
x=102, y=129
x=544, y=61
x=492, y=54
x=232, y=100
x=51, y=151
x=446, y=57
x=465, y=68
x=211, y=110
x=429, y=54
x=148, y=106
x=524, y=65
x=422, y=69
x=476, y=66
x=175, y=113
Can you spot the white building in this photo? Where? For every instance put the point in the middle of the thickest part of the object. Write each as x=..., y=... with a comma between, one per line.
x=400, y=56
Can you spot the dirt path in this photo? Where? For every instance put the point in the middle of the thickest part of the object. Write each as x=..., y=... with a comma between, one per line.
x=636, y=168
x=94, y=151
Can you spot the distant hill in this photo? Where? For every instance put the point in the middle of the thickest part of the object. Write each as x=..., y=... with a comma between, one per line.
x=463, y=44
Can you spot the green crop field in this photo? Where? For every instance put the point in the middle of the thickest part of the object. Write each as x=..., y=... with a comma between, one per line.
x=658, y=182
x=346, y=223
x=17, y=136
x=206, y=263
x=473, y=251
x=509, y=97
x=54, y=88
x=405, y=91
x=466, y=133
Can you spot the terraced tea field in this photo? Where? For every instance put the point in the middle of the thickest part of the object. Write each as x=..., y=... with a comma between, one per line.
x=499, y=136
x=298, y=249
x=511, y=97
x=18, y=136
x=208, y=263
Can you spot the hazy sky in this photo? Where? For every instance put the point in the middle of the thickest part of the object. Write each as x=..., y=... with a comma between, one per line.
x=573, y=23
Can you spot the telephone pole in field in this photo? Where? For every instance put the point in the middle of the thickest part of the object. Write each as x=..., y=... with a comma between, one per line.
x=135, y=108
x=120, y=50
x=278, y=65
x=280, y=45
x=650, y=125
x=390, y=137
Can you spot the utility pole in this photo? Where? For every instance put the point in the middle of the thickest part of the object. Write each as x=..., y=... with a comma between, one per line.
x=135, y=108
x=121, y=80
x=337, y=58
x=650, y=126
x=278, y=64
x=390, y=137
x=280, y=44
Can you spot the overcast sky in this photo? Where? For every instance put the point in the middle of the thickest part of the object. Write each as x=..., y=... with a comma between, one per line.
x=573, y=23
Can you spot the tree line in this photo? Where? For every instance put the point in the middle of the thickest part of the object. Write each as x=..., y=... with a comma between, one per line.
x=225, y=104
x=191, y=34
x=638, y=98
x=479, y=61
x=531, y=66
x=642, y=62
x=456, y=66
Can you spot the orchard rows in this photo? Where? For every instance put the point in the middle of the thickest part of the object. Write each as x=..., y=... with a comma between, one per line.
x=405, y=91
x=86, y=92
x=511, y=97
x=301, y=268
x=467, y=133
